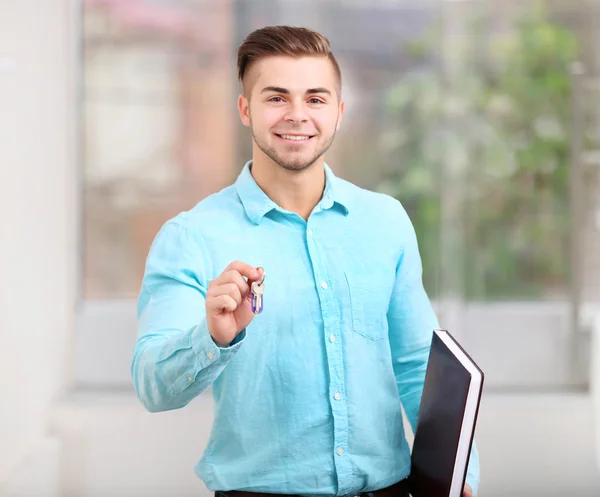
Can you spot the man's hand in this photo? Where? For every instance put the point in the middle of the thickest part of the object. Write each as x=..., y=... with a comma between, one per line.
x=228, y=307
x=468, y=491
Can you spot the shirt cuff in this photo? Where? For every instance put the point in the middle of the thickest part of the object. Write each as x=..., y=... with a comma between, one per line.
x=207, y=351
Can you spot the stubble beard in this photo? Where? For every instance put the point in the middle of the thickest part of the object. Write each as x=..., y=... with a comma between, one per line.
x=297, y=164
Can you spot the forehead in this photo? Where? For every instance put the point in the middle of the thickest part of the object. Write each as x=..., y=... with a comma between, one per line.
x=297, y=74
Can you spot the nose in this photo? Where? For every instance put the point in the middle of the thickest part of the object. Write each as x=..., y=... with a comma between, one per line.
x=296, y=113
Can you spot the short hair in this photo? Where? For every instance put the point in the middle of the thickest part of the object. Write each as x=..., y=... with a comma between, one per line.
x=284, y=40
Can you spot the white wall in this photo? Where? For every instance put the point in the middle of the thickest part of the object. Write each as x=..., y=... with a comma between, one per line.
x=595, y=381
x=37, y=215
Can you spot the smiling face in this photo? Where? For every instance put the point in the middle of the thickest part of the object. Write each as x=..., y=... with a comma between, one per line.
x=293, y=109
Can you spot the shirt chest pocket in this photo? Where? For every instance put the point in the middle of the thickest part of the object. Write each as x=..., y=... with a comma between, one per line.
x=368, y=306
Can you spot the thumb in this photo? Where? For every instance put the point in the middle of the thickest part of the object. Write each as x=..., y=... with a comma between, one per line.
x=260, y=277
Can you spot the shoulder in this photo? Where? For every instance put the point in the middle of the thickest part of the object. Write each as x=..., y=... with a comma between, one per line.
x=216, y=211
x=181, y=241
x=375, y=205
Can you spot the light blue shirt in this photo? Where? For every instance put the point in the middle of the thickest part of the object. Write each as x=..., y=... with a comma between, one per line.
x=307, y=398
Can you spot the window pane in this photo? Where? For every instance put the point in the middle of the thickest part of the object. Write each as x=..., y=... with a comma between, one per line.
x=461, y=110
x=160, y=127
x=161, y=124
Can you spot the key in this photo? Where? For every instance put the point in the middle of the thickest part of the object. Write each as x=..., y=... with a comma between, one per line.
x=257, y=297
x=257, y=288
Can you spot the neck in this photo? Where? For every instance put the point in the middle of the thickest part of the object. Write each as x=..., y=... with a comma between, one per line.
x=295, y=191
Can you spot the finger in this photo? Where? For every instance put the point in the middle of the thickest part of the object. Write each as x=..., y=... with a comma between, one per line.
x=230, y=289
x=260, y=276
x=221, y=302
x=244, y=269
x=231, y=277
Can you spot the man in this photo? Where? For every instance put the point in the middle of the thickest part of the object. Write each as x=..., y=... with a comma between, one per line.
x=307, y=392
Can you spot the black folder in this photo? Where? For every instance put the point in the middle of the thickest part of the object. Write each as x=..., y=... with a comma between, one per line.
x=446, y=421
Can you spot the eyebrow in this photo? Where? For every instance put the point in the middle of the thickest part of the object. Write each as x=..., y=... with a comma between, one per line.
x=285, y=91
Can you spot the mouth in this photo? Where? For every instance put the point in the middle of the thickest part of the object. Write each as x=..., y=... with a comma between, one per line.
x=295, y=138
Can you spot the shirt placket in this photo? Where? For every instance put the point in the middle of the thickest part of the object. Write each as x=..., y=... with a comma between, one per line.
x=332, y=334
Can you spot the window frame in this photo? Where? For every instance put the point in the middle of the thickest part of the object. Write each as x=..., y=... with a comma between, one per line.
x=106, y=329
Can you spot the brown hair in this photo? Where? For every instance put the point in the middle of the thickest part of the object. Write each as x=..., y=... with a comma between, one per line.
x=284, y=40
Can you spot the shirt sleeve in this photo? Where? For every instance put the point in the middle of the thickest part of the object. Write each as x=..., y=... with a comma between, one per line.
x=411, y=321
x=175, y=357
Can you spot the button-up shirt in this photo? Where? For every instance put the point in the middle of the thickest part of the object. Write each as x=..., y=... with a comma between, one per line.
x=307, y=397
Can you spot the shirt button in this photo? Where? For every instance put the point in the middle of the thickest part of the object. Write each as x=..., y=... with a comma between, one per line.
x=309, y=233
x=323, y=285
x=210, y=355
x=190, y=378
x=337, y=396
x=340, y=451
x=332, y=338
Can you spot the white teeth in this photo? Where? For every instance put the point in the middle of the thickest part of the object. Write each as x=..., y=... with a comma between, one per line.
x=295, y=138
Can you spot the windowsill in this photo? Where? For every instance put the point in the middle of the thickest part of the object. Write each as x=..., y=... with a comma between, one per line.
x=533, y=337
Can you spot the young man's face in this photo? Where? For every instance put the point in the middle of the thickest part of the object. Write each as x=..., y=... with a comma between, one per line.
x=293, y=108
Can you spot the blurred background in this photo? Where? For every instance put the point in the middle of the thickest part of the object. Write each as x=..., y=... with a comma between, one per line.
x=481, y=116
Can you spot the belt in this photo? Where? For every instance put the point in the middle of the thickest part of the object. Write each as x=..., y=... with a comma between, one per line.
x=399, y=489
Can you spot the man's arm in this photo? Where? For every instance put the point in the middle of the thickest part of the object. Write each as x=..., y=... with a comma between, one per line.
x=175, y=357
x=411, y=323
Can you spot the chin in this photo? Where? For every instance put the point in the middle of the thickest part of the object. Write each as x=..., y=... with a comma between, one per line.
x=295, y=165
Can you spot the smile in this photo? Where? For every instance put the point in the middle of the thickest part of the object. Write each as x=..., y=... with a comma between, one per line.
x=295, y=138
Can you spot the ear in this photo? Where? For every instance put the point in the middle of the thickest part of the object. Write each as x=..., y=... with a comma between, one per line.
x=244, y=109
x=340, y=114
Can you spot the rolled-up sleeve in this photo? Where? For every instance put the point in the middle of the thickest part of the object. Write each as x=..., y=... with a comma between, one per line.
x=175, y=357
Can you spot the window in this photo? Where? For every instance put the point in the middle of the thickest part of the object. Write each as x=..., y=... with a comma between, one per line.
x=451, y=121
x=159, y=127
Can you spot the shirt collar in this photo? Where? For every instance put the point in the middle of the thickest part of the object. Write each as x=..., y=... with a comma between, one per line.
x=257, y=204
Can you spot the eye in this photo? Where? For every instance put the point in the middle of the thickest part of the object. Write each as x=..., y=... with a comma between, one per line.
x=316, y=101
x=276, y=99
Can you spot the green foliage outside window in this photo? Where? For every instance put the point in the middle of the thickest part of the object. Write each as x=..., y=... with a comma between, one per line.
x=495, y=133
